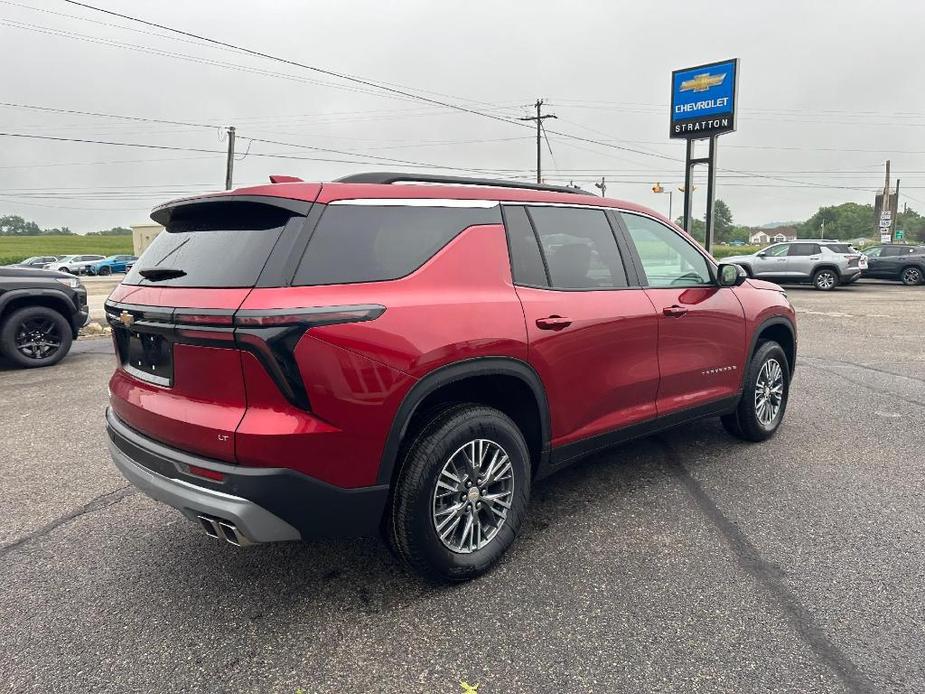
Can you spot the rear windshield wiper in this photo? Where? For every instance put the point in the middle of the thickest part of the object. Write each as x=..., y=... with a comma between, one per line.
x=156, y=274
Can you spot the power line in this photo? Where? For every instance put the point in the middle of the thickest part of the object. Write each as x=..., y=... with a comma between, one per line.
x=354, y=79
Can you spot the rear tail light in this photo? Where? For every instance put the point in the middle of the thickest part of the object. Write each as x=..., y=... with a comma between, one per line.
x=201, y=317
x=309, y=317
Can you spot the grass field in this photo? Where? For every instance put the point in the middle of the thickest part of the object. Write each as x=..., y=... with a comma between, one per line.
x=723, y=251
x=16, y=248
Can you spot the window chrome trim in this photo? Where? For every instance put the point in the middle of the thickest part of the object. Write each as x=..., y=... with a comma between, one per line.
x=417, y=202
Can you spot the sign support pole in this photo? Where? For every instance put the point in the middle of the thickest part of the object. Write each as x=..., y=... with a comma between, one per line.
x=711, y=192
x=688, y=185
x=710, y=161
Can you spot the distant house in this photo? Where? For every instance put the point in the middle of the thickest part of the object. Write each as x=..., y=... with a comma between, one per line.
x=762, y=238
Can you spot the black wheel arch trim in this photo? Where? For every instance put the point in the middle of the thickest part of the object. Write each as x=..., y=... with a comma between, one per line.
x=62, y=297
x=452, y=373
x=776, y=320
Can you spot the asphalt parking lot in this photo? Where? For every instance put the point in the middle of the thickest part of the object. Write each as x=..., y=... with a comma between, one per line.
x=683, y=562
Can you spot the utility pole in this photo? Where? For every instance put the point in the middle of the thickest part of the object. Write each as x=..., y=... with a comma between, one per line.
x=539, y=118
x=229, y=166
x=602, y=186
x=888, y=205
x=895, y=208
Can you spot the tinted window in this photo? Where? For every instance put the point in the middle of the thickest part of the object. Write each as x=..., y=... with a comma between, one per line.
x=893, y=250
x=840, y=248
x=669, y=260
x=216, y=244
x=873, y=252
x=368, y=243
x=526, y=261
x=804, y=249
x=579, y=247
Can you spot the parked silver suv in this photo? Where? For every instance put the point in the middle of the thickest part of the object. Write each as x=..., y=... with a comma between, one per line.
x=825, y=264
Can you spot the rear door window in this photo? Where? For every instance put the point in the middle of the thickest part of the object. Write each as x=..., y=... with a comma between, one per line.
x=579, y=247
x=527, y=265
x=375, y=242
x=222, y=244
x=804, y=249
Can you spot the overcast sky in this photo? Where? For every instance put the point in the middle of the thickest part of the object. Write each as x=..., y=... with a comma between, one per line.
x=827, y=92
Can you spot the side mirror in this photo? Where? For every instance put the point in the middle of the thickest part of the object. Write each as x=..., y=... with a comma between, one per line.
x=761, y=254
x=730, y=275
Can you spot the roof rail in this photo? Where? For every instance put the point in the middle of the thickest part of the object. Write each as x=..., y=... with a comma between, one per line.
x=392, y=177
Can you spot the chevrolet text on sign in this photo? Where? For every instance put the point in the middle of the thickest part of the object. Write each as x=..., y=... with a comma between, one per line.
x=703, y=100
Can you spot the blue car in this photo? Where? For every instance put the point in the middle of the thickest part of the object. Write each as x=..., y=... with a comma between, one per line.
x=114, y=263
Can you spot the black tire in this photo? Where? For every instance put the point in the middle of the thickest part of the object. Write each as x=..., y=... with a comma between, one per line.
x=825, y=279
x=105, y=270
x=34, y=318
x=411, y=526
x=744, y=423
x=911, y=276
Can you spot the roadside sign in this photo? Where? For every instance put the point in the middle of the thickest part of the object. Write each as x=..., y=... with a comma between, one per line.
x=703, y=100
x=884, y=238
x=900, y=234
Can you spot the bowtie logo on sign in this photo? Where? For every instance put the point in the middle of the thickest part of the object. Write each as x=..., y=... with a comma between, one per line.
x=703, y=82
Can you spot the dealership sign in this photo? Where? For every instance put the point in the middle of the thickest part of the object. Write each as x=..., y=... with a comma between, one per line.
x=703, y=100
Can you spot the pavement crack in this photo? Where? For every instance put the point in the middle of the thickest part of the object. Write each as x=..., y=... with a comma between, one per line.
x=878, y=391
x=771, y=577
x=97, y=503
x=862, y=367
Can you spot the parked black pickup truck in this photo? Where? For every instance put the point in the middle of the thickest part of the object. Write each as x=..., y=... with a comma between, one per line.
x=40, y=314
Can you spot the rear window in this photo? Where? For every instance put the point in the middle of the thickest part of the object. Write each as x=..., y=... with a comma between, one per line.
x=217, y=245
x=370, y=243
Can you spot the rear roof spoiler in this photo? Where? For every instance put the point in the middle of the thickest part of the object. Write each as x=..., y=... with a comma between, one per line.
x=163, y=213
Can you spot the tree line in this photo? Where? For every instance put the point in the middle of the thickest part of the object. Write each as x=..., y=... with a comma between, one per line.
x=845, y=222
x=14, y=225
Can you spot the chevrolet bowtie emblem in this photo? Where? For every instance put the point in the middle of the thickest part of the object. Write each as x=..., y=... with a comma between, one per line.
x=127, y=319
x=702, y=82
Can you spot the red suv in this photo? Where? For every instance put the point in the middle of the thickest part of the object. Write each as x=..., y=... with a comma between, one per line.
x=408, y=354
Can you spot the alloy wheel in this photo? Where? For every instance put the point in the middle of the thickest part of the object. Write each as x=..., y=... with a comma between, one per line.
x=38, y=338
x=472, y=496
x=825, y=280
x=911, y=275
x=769, y=392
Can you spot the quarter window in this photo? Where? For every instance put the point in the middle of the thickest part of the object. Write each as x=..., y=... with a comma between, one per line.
x=579, y=247
x=667, y=258
x=804, y=249
x=371, y=243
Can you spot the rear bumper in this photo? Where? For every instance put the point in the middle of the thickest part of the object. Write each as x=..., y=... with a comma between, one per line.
x=264, y=504
x=850, y=274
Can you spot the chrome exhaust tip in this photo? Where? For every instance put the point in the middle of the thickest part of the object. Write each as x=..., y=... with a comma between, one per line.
x=232, y=535
x=223, y=530
x=210, y=525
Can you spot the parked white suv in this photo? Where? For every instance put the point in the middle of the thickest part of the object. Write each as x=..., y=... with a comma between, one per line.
x=75, y=264
x=825, y=264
